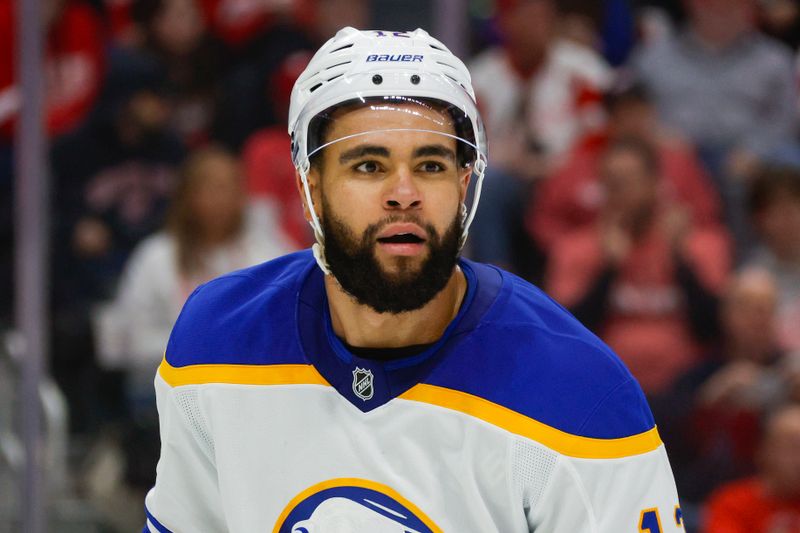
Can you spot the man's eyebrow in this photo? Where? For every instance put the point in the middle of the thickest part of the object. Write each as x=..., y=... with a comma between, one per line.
x=361, y=151
x=436, y=150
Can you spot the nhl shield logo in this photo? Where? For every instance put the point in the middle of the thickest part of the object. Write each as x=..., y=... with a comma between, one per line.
x=362, y=383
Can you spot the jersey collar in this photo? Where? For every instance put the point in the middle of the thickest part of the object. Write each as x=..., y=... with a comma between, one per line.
x=370, y=383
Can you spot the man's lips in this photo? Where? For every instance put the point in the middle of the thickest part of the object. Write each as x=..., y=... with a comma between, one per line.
x=402, y=233
x=402, y=239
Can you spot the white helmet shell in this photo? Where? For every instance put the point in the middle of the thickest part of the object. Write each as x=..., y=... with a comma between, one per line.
x=362, y=64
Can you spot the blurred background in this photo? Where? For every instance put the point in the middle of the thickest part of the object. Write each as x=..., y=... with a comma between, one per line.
x=644, y=169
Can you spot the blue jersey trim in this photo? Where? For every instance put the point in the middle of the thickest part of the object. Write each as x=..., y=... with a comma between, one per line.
x=159, y=527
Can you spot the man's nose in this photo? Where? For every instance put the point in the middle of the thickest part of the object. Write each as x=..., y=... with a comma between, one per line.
x=402, y=191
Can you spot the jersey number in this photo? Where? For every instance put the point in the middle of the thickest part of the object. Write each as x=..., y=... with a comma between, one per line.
x=650, y=520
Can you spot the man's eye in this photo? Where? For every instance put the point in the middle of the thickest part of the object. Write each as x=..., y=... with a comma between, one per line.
x=431, y=166
x=368, y=167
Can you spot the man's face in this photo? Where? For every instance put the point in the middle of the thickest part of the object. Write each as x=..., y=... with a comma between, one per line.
x=390, y=204
x=722, y=20
x=179, y=26
x=528, y=25
x=779, y=225
x=630, y=188
x=217, y=198
x=748, y=312
x=780, y=462
x=633, y=119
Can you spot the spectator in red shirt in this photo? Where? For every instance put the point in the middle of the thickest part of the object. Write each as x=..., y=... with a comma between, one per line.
x=74, y=64
x=643, y=277
x=571, y=197
x=770, y=501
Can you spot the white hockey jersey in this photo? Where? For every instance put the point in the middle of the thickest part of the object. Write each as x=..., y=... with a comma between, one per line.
x=516, y=420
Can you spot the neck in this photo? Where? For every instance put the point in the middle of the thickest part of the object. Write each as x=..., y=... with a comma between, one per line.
x=360, y=325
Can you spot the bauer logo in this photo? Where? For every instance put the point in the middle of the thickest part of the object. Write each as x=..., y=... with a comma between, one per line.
x=355, y=506
x=394, y=58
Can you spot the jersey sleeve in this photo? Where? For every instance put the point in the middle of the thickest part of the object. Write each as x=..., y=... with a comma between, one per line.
x=610, y=481
x=186, y=494
x=634, y=493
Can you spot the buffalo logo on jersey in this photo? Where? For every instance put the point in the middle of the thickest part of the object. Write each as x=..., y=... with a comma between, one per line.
x=363, y=383
x=355, y=506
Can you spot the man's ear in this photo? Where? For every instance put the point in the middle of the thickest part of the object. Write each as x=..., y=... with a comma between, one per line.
x=313, y=179
x=463, y=183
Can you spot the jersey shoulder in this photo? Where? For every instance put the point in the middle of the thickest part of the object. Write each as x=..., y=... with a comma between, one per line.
x=531, y=356
x=244, y=317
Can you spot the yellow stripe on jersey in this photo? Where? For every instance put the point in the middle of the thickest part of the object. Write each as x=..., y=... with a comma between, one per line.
x=555, y=439
x=475, y=406
x=240, y=374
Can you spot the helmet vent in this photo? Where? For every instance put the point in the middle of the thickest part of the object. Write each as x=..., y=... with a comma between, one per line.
x=446, y=64
x=338, y=65
x=337, y=76
x=315, y=87
x=342, y=47
x=435, y=47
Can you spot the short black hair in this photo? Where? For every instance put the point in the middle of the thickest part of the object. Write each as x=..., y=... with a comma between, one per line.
x=771, y=182
x=320, y=125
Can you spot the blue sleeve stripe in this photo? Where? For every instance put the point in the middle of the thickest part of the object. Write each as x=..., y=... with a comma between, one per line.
x=152, y=520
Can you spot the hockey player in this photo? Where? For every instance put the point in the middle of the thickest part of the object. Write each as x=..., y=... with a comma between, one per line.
x=381, y=383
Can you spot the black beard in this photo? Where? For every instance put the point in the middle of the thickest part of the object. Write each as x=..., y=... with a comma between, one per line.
x=353, y=263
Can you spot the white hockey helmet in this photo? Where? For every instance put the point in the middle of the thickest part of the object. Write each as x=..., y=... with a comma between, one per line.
x=365, y=65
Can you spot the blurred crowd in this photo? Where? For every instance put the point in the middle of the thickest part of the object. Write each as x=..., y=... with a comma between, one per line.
x=644, y=170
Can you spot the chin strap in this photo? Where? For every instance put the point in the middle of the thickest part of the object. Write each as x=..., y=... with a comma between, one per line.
x=319, y=255
x=319, y=247
x=479, y=169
